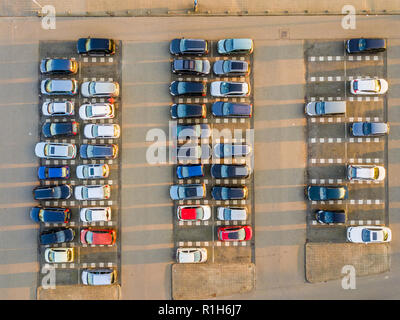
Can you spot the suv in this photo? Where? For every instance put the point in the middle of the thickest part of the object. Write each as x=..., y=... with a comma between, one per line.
x=194, y=67
x=65, y=66
x=229, y=89
x=179, y=88
x=188, y=46
x=57, y=129
x=321, y=108
x=92, y=192
x=65, y=108
x=231, y=68
x=59, y=235
x=365, y=45
x=235, y=46
x=50, y=215
x=59, y=87
x=96, y=46
x=98, y=151
x=181, y=110
x=63, y=191
x=229, y=193
x=100, y=89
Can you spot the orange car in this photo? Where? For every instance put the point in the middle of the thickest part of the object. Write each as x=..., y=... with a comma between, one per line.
x=98, y=236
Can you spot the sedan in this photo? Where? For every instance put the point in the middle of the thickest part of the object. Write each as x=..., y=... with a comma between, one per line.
x=54, y=66
x=324, y=216
x=361, y=45
x=188, y=46
x=95, y=46
x=229, y=193
x=55, y=150
x=98, y=236
x=229, y=89
x=374, y=234
x=190, y=171
x=235, y=46
x=97, y=111
x=365, y=172
x=98, y=277
x=184, y=131
x=94, y=214
x=231, y=68
x=193, y=213
x=230, y=213
x=191, y=255
x=368, y=86
x=92, y=171
x=179, y=88
x=182, y=111
x=63, y=191
x=235, y=233
x=59, y=87
x=191, y=67
x=50, y=215
x=92, y=192
x=362, y=129
x=221, y=171
x=98, y=151
x=60, y=129
x=65, y=108
x=58, y=255
x=58, y=172
x=225, y=150
x=187, y=191
x=229, y=109
x=322, y=193
x=59, y=235
x=93, y=131
x=91, y=89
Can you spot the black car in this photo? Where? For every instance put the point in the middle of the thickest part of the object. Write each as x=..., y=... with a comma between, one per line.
x=229, y=193
x=360, y=45
x=188, y=46
x=181, y=110
x=229, y=171
x=323, y=216
x=63, y=191
x=96, y=46
x=229, y=109
x=50, y=215
x=191, y=66
x=231, y=68
x=179, y=88
x=98, y=151
x=56, y=66
x=58, y=235
x=56, y=129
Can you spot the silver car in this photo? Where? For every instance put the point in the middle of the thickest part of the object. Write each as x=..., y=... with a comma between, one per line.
x=100, y=89
x=61, y=108
x=99, y=277
x=59, y=87
x=321, y=108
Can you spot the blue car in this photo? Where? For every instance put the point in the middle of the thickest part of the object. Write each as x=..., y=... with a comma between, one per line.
x=188, y=171
x=229, y=109
x=322, y=193
x=63, y=191
x=187, y=191
x=98, y=151
x=59, y=235
x=50, y=215
x=181, y=111
x=365, y=45
x=361, y=129
x=229, y=171
x=229, y=193
x=59, y=172
x=323, y=216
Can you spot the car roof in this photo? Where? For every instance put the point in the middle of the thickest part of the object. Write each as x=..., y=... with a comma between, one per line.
x=61, y=85
x=242, y=43
x=366, y=84
x=105, y=87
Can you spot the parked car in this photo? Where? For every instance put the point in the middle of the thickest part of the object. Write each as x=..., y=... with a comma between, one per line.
x=361, y=129
x=63, y=191
x=59, y=87
x=322, y=193
x=190, y=171
x=55, y=150
x=231, y=68
x=184, y=131
x=188, y=47
x=55, y=108
x=187, y=191
x=94, y=214
x=322, y=108
x=222, y=171
x=228, y=150
x=59, y=255
x=230, y=109
x=58, y=235
x=60, y=129
x=229, y=193
x=50, y=215
x=324, y=216
x=235, y=233
x=92, y=192
x=91, y=89
x=98, y=151
x=189, y=152
x=193, y=213
x=108, y=130
x=97, y=111
x=368, y=86
x=361, y=45
x=181, y=111
x=365, y=172
x=235, y=46
x=231, y=213
x=92, y=171
x=229, y=89
x=373, y=234
x=54, y=172
x=180, y=88
x=191, y=67
x=55, y=66
x=191, y=255
x=98, y=236
x=96, y=46
x=99, y=277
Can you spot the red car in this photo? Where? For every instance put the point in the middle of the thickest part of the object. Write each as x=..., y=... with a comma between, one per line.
x=235, y=233
x=98, y=236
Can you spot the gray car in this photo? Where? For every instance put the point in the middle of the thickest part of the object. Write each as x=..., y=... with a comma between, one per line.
x=321, y=108
x=99, y=277
x=231, y=68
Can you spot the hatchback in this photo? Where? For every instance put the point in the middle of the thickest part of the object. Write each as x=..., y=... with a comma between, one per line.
x=55, y=150
x=63, y=191
x=227, y=150
x=98, y=151
x=372, y=234
x=100, y=89
x=321, y=108
x=231, y=68
x=93, y=131
x=190, y=171
x=231, y=213
x=229, y=193
x=365, y=129
x=179, y=88
x=59, y=235
x=361, y=45
x=98, y=277
x=225, y=171
x=366, y=172
x=229, y=89
x=55, y=172
x=92, y=171
x=60, y=129
x=98, y=236
x=65, y=108
x=59, y=87
x=188, y=47
x=235, y=46
x=55, y=66
x=191, y=67
x=368, y=86
x=324, y=216
x=191, y=255
x=59, y=255
x=193, y=213
x=92, y=192
x=94, y=214
x=229, y=109
x=322, y=193
x=187, y=191
x=96, y=46
x=97, y=111
x=50, y=215
x=181, y=111
x=235, y=233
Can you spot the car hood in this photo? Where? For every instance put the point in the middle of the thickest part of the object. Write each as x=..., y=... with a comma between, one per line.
x=173, y=192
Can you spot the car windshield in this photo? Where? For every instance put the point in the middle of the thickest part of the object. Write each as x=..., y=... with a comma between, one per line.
x=90, y=279
x=92, y=87
x=89, y=111
x=199, y=213
x=226, y=66
x=89, y=237
x=90, y=151
x=52, y=256
x=60, y=236
x=328, y=216
x=225, y=193
x=196, y=256
x=85, y=193
x=49, y=64
x=228, y=44
x=95, y=131
x=88, y=215
x=48, y=86
x=185, y=171
x=224, y=171
x=366, y=235
x=367, y=127
x=322, y=193
x=355, y=85
x=362, y=44
x=320, y=107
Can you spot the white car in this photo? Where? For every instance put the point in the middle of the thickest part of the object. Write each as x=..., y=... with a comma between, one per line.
x=97, y=111
x=92, y=131
x=368, y=86
x=92, y=171
x=58, y=255
x=55, y=150
x=64, y=108
x=229, y=214
x=59, y=87
x=94, y=214
x=191, y=255
x=374, y=234
x=229, y=89
x=92, y=192
x=100, y=89
x=99, y=277
x=364, y=172
x=193, y=213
